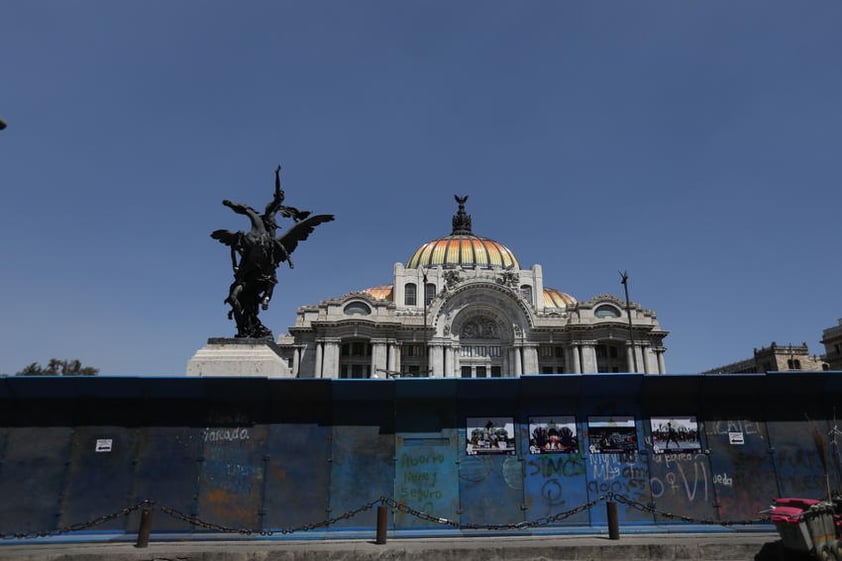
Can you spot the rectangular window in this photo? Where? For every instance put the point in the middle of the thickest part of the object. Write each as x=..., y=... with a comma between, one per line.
x=409, y=297
x=480, y=371
x=429, y=293
x=496, y=372
x=466, y=371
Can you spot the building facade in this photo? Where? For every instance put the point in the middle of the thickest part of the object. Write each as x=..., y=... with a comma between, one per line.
x=462, y=306
x=775, y=358
x=832, y=341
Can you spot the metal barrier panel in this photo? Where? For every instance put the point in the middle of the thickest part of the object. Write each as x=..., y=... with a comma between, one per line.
x=798, y=461
x=426, y=477
x=297, y=475
x=99, y=477
x=491, y=489
x=555, y=483
x=681, y=484
x=624, y=473
x=742, y=472
x=231, y=476
x=167, y=471
x=362, y=470
x=32, y=478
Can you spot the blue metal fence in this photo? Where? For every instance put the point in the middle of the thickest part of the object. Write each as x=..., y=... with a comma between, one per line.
x=269, y=455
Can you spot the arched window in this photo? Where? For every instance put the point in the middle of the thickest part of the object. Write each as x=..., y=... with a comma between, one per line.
x=605, y=311
x=526, y=292
x=429, y=292
x=357, y=309
x=410, y=298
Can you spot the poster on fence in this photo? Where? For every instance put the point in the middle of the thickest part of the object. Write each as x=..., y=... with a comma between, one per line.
x=490, y=435
x=611, y=435
x=675, y=435
x=553, y=435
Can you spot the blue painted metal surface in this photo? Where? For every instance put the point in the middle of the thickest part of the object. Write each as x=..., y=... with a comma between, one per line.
x=282, y=453
x=427, y=477
x=32, y=478
x=232, y=474
x=99, y=475
x=741, y=467
x=555, y=483
x=681, y=485
x=297, y=477
x=362, y=470
x=167, y=471
x=799, y=467
x=491, y=489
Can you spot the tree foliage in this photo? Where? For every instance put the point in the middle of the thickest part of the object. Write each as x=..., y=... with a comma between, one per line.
x=58, y=367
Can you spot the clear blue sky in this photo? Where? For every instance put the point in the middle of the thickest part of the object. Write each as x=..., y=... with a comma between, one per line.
x=696, y=144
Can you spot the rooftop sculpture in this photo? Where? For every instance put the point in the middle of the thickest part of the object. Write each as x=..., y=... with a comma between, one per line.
x=256, y=255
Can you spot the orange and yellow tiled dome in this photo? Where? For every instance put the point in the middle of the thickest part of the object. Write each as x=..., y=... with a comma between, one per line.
x=462, y=248
x=463, y=251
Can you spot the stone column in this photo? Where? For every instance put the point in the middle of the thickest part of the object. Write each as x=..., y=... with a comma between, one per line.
x=435, y=365
x=630, y=356
x=296, y=361
x=576, y=353
x=660, y=352
x=645, y=357
x=317, y=371
x=517, y=357
x=394, y=356
x=330, y=360
x=448, y=361
x=530, y=359
x=588, y=357
x=378, y=355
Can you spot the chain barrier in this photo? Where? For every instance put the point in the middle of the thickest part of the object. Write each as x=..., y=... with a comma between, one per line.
x=80, y=526
x=649, y=509
x=386, y=501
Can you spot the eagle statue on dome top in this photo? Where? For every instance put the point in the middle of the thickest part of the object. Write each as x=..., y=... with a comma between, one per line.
x=256, y=255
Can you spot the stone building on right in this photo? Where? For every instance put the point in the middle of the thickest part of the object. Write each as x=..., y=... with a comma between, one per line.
x=775, y=358
x=782, y=358
x=832, y=341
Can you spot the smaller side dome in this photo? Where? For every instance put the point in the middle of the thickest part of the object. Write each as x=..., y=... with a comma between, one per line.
x=383, y=292
x=556, y=299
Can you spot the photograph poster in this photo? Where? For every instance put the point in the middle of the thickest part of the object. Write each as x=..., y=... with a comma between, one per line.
x=611, y=435
x=490, y=435
x=675, y=435
x=553, y=435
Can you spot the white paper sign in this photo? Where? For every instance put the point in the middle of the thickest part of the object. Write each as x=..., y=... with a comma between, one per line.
x=736, y=438
x=103, y=445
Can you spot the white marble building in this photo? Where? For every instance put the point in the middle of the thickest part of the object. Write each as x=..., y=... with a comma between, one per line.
x=462, y=306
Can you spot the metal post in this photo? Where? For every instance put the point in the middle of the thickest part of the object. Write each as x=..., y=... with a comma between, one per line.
x=625, y=281
x=145, y=528
x=613, y=523
x=425, y=365
x=382, y=524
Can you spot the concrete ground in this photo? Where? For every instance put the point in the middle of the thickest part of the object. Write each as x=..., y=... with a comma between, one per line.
x=734, y=546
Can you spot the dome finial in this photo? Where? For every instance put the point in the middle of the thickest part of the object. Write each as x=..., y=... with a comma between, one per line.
x=461, y=220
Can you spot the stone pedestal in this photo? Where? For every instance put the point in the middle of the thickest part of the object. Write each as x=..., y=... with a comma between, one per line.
x=239, y=357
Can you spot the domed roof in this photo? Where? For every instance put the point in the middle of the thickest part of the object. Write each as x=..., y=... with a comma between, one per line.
x=462, y=248
x=556, y=299
x=383, y=292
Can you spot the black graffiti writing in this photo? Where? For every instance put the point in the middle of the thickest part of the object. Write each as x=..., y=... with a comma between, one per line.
x=555, y=465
